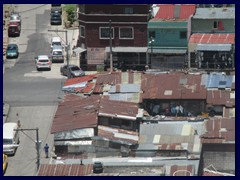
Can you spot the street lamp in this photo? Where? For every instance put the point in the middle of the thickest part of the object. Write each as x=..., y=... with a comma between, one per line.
x=151, y=43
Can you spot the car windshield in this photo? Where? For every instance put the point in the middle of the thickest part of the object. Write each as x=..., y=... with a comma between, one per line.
x=43, y=60
x=56, y=44
x=7, y=141
x=57, y=53
x=56, y=16
x=14, y=18
x=75, y=68
x=11, y=48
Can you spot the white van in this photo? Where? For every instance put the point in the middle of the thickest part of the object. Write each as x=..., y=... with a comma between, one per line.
x=10, y=138
x=57, y=54
x=56, y=41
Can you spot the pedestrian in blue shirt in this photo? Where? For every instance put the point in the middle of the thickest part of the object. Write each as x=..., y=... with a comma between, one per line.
x=46, y=147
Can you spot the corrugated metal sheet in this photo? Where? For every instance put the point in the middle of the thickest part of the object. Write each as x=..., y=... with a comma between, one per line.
x=221, y=97
x=167, y=11
x=65, y=170
x=128, y=97
x=118, y=134
x=215, y=13
x=219, y=130
x=217, y=80
x=125, y=88
x=78, y=80
x=159, y=86
x=76, y=113
x=214, y=47
x=217, y=38
x=118, y=109
x=170, y=136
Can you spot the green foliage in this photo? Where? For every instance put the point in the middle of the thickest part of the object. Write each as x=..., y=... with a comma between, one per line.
x=70, y=10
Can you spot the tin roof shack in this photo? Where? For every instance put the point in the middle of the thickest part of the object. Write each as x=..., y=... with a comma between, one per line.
x=120, y=86
x=220, y=94
x=129, y=35
x=173, y=140
x=168, y=36
x=162, y=93
x=75, y=123
x=219, y=145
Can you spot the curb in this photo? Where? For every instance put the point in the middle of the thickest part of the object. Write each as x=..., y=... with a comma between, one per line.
x=6, y=109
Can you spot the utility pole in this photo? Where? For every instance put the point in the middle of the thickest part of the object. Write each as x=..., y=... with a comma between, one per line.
x=110, y=38
x=150, y=61
x=37, y=143
x=66, y=47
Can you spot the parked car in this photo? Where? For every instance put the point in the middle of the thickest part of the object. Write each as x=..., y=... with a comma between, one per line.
x=12, y=51
x=97, y=167
x=5, y=163
x=56, y=19
x=15, y=18
x=14, y=29
x=56, y=41
x=43, y=62
x=74, y=71
x=56, y=8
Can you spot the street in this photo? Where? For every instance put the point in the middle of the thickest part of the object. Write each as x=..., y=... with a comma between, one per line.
x=32, y=95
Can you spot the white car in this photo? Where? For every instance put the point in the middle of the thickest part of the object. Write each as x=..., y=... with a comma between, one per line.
x=43, y=62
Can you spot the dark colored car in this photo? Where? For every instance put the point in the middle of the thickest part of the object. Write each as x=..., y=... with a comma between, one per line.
x=74, y=71
x=56, y=19
x=12, y=51
x=97, y=167
x=14, y=29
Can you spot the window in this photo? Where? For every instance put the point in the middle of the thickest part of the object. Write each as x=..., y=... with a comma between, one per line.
x=151, y=34
x=82, y=31
x=215, y=25
x=125, y=33
x=128, y=10
x=183, y=35
x=104, y=33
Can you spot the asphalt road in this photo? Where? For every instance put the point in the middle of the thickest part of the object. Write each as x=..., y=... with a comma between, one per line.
x=33, y=95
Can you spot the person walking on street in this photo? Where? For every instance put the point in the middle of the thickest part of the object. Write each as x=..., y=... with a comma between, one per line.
x=46, y=147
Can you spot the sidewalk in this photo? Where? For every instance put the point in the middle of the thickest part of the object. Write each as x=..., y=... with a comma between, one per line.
x=6, y=109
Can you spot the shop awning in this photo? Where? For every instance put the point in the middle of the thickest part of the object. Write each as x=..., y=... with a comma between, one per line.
x=214, y=47
x=127, y=49
x=167, y=51
x=79, y=50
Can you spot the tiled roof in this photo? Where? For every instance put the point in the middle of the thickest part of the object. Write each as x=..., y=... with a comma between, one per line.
x=173, y=86
x=65, y=169
x=75, y=113
x=203, y=38
x=173, y=11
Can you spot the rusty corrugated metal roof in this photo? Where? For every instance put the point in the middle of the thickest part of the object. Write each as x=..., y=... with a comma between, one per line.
x=217, y=38
x=174, y=11
x=118, y=109
x=173, y=86
x=221, y=97
x=219, y=130
x=76, y=112
x=65, y=169
x=81, y=79
x=187, y=170
x=116, y=134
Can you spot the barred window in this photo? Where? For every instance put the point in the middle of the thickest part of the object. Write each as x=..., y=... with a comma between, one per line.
x=126, y=33
x=104, y=33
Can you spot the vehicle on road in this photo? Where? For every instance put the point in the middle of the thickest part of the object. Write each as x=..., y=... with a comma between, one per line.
x=15, y=18
x=43, y=62
x=74, y=71
x=56, y=8
x=56, y=19
x=5, y=163
x=56, y=41
x=97, y=167
x=57, y=54
x=14, y=29
x=10, y=138
x=12, y=51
